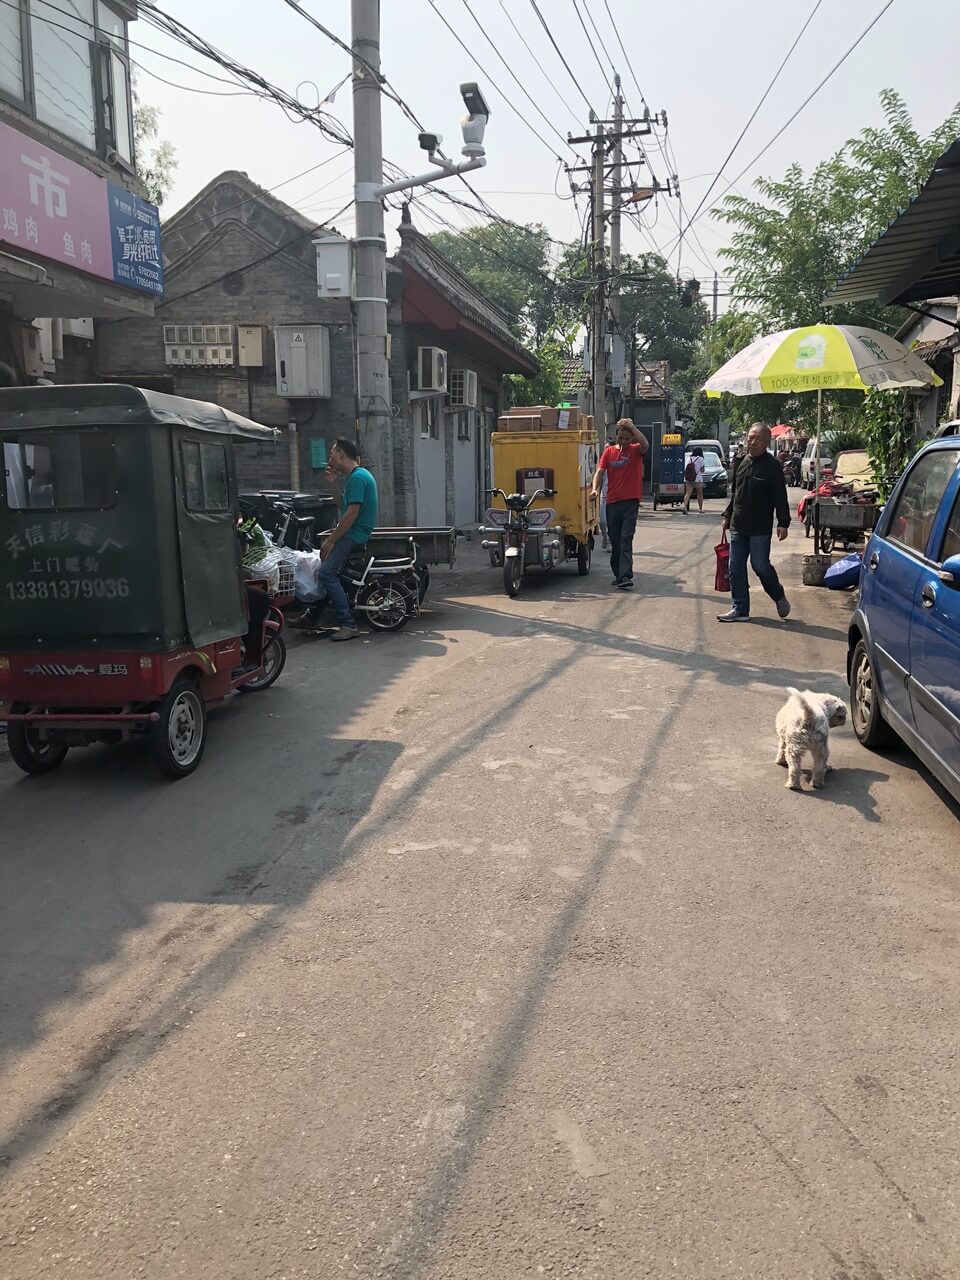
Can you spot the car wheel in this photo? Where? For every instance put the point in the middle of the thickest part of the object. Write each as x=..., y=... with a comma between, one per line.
x=868, y=722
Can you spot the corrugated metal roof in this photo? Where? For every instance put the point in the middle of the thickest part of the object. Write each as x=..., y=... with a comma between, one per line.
x=918, y=256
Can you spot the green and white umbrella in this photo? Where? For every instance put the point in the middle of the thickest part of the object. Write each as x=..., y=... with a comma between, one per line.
x=821, y=357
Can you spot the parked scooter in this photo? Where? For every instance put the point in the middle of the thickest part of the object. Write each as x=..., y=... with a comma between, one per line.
x=386, y=590
x=515, y=526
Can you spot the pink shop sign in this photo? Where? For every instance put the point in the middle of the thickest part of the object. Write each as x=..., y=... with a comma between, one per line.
x=52, y=207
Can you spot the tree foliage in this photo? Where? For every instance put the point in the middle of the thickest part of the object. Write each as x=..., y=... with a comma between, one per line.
x=792, y=244
x=794, y=241
x=155, y=158
x=510, y=264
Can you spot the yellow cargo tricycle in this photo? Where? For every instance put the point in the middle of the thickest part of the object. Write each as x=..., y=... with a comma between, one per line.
x=531, y=468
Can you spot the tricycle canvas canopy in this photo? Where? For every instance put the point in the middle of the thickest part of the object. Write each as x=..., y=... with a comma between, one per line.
x=118, y=520
x=114, y=404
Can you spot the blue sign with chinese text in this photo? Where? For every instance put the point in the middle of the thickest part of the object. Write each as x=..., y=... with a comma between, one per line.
x=135, y=241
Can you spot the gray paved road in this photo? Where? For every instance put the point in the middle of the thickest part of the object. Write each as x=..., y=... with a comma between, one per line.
x=495, y=948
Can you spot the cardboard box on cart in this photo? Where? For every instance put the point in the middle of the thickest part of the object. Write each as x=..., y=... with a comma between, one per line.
x=563, y=460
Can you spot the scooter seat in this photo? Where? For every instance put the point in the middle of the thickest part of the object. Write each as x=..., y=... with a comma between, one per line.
x=392, y=562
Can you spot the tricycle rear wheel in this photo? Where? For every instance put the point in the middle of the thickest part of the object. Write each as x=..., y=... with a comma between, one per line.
x=30, y=753
x=180, y=735
x=274, y=659
x=584, y=556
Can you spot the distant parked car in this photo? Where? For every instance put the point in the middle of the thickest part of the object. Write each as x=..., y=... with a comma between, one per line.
x=808, y=465
x=903, y=660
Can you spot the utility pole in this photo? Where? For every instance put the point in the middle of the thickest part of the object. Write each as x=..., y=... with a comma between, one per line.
x=716, y=295
x=598, y=329
x=373, y=373
x=615, y=201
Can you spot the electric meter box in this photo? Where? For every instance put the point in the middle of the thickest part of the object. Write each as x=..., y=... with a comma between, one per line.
x=250, y=346
x=334, y=267
x=303, y=361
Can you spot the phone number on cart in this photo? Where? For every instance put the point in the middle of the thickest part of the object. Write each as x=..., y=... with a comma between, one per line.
x=69, y=589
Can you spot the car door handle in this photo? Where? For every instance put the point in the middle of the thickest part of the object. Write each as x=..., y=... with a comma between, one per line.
x=874, y=562
x=928, y=597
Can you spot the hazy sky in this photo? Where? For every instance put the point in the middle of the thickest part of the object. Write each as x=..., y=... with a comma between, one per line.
x=706, y=64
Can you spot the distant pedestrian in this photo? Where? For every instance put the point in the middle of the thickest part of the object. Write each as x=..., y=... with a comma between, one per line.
x=622, y=465
x=693, y=479
x=759, y=493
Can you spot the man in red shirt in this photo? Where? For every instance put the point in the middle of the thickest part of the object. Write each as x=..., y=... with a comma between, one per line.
x=622, y=463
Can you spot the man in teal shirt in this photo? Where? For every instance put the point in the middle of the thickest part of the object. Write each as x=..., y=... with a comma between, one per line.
x=357, y=519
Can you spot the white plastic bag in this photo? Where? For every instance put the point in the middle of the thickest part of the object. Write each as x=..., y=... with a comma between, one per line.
x=306, y=577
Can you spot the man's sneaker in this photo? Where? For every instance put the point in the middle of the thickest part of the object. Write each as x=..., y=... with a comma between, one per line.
x=345, y=633
x=625, y=584
x=732, y=616
x=783, y=607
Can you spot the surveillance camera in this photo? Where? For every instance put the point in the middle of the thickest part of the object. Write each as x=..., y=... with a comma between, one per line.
x=475, y=124
x=112, y=156
x=474, y=100
x=430, y=141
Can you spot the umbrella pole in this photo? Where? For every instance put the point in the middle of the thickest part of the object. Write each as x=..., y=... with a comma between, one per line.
x=816, y=476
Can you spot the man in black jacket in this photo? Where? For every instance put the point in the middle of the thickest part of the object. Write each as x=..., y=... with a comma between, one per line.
x=759, y=492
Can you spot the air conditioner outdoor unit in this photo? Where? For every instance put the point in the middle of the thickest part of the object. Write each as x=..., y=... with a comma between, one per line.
x=431, y=369
x=463, y=387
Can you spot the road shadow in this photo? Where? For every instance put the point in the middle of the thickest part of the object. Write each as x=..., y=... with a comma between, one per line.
x=847, y=788
x=798, y=625
x=103, y=848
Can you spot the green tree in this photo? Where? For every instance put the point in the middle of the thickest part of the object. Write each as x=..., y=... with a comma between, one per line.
x=510, y=264
x=716, y=345
x=155, y=158
x=792, y=244
x=794, y=241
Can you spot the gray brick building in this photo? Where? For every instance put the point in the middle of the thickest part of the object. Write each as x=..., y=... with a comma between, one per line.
x=238, y=259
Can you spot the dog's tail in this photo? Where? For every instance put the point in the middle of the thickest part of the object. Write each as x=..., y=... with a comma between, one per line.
x=809, y=715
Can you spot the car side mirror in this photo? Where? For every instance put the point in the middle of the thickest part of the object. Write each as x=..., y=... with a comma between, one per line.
x=950, y=571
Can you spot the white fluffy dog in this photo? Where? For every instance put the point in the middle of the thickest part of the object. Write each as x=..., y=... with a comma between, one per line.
x=803, y=724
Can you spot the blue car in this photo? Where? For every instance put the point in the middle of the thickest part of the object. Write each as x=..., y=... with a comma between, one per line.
x=903, y=662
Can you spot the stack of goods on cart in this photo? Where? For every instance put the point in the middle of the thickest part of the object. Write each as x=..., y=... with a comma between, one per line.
x=543, y=417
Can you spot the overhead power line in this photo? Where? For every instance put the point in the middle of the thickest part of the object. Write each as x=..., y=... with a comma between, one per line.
x=753, y=115
x=520, y=85
x=805, y=103
x=519, y=114
x=385, y=85
x=593, y=47
x=291, y=105
x=543, y=23
x=626, y=56
x=596, y=30
x=547, y=78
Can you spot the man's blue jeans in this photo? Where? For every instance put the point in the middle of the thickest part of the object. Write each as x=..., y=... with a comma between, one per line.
x=329, y=579
x=754, y=547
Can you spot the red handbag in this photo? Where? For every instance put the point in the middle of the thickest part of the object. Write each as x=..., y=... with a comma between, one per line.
x=722, y=580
